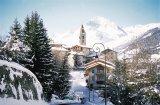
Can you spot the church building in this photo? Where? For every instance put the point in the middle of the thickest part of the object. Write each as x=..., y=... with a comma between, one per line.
x=81, y=50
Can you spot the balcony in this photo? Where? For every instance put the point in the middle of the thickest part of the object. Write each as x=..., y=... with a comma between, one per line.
x=100, y=82
x=100, y=72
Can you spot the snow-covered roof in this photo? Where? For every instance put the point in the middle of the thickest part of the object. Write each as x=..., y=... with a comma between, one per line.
x=78, y=53
x=59, y=49
x=84, y=46
x=67, y=46
x=100, y=62
x=56, y=43
x=108, y=50
x=93, y=54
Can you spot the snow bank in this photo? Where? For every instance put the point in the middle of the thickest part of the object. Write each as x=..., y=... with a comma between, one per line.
x=18, y=67
x=66, y=101
x=20, y=82
x=155, y=56
x=108, y=103
x=10, y=101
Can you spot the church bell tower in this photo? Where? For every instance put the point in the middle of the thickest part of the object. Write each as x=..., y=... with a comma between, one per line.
x=82, y=37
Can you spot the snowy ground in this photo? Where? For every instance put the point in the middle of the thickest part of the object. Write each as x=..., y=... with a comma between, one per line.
x=11, y=101
x=79, y=85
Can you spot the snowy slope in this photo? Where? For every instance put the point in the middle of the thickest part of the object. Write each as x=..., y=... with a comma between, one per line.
x=140, y=33
x=150, y=41
x=139, y=30
x=20, y=82
x=98, y=29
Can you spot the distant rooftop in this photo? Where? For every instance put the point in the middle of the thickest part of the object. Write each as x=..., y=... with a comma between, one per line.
x=81, y=46
x=107, y=50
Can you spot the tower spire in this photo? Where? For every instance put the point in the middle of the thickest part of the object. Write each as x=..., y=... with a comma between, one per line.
x=82, y=37
x=82, y=26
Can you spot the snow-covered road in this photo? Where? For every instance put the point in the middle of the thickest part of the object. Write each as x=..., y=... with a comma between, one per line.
x=79, y=85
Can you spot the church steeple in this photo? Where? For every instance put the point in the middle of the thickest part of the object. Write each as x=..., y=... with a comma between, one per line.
x=82, y=37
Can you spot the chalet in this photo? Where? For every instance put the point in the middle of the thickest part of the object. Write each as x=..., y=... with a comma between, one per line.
x=80, y=52
x=81, y=48
x=95, y=73
x=111, y=55
x=58, y=49
x=91, y=56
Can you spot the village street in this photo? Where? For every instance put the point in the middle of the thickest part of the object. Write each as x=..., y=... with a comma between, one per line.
x=79, y=85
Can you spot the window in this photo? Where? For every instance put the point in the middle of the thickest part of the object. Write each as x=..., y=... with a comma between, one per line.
x=100, y=78
x=82, y=37
x=92, y=70
x=100, y=71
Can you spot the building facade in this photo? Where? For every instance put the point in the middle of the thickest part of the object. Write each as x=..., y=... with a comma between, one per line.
x=111, y=55
x=95, y=73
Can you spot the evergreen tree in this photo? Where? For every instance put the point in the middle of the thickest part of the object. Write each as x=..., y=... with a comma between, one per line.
x=16, y=30
x=27, y=39
x=77, y=62
x=119, y=92
x=35, y=36
x=14, y=49
x=1, y=53
x=63, y=78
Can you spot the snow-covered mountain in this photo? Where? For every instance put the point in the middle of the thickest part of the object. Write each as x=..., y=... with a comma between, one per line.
x=150, y=40
x=138, y=30
x=100, y=29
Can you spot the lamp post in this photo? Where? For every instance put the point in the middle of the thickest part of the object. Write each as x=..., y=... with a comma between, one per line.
x=89, y=86
x=97, y=46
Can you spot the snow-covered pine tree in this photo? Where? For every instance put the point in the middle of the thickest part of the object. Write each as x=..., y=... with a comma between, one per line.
x=36, y=39
x=1, y=53
x=14, y=49
x=25, y=39
x=77, y=62
x=1, y=42
x=14, y=42
x=63, y=78
x=119, y=91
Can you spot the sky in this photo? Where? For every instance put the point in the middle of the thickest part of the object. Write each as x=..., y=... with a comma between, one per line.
x=62, y=15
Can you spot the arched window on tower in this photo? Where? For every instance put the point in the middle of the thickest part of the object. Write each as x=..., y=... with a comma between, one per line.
x=82, y=37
